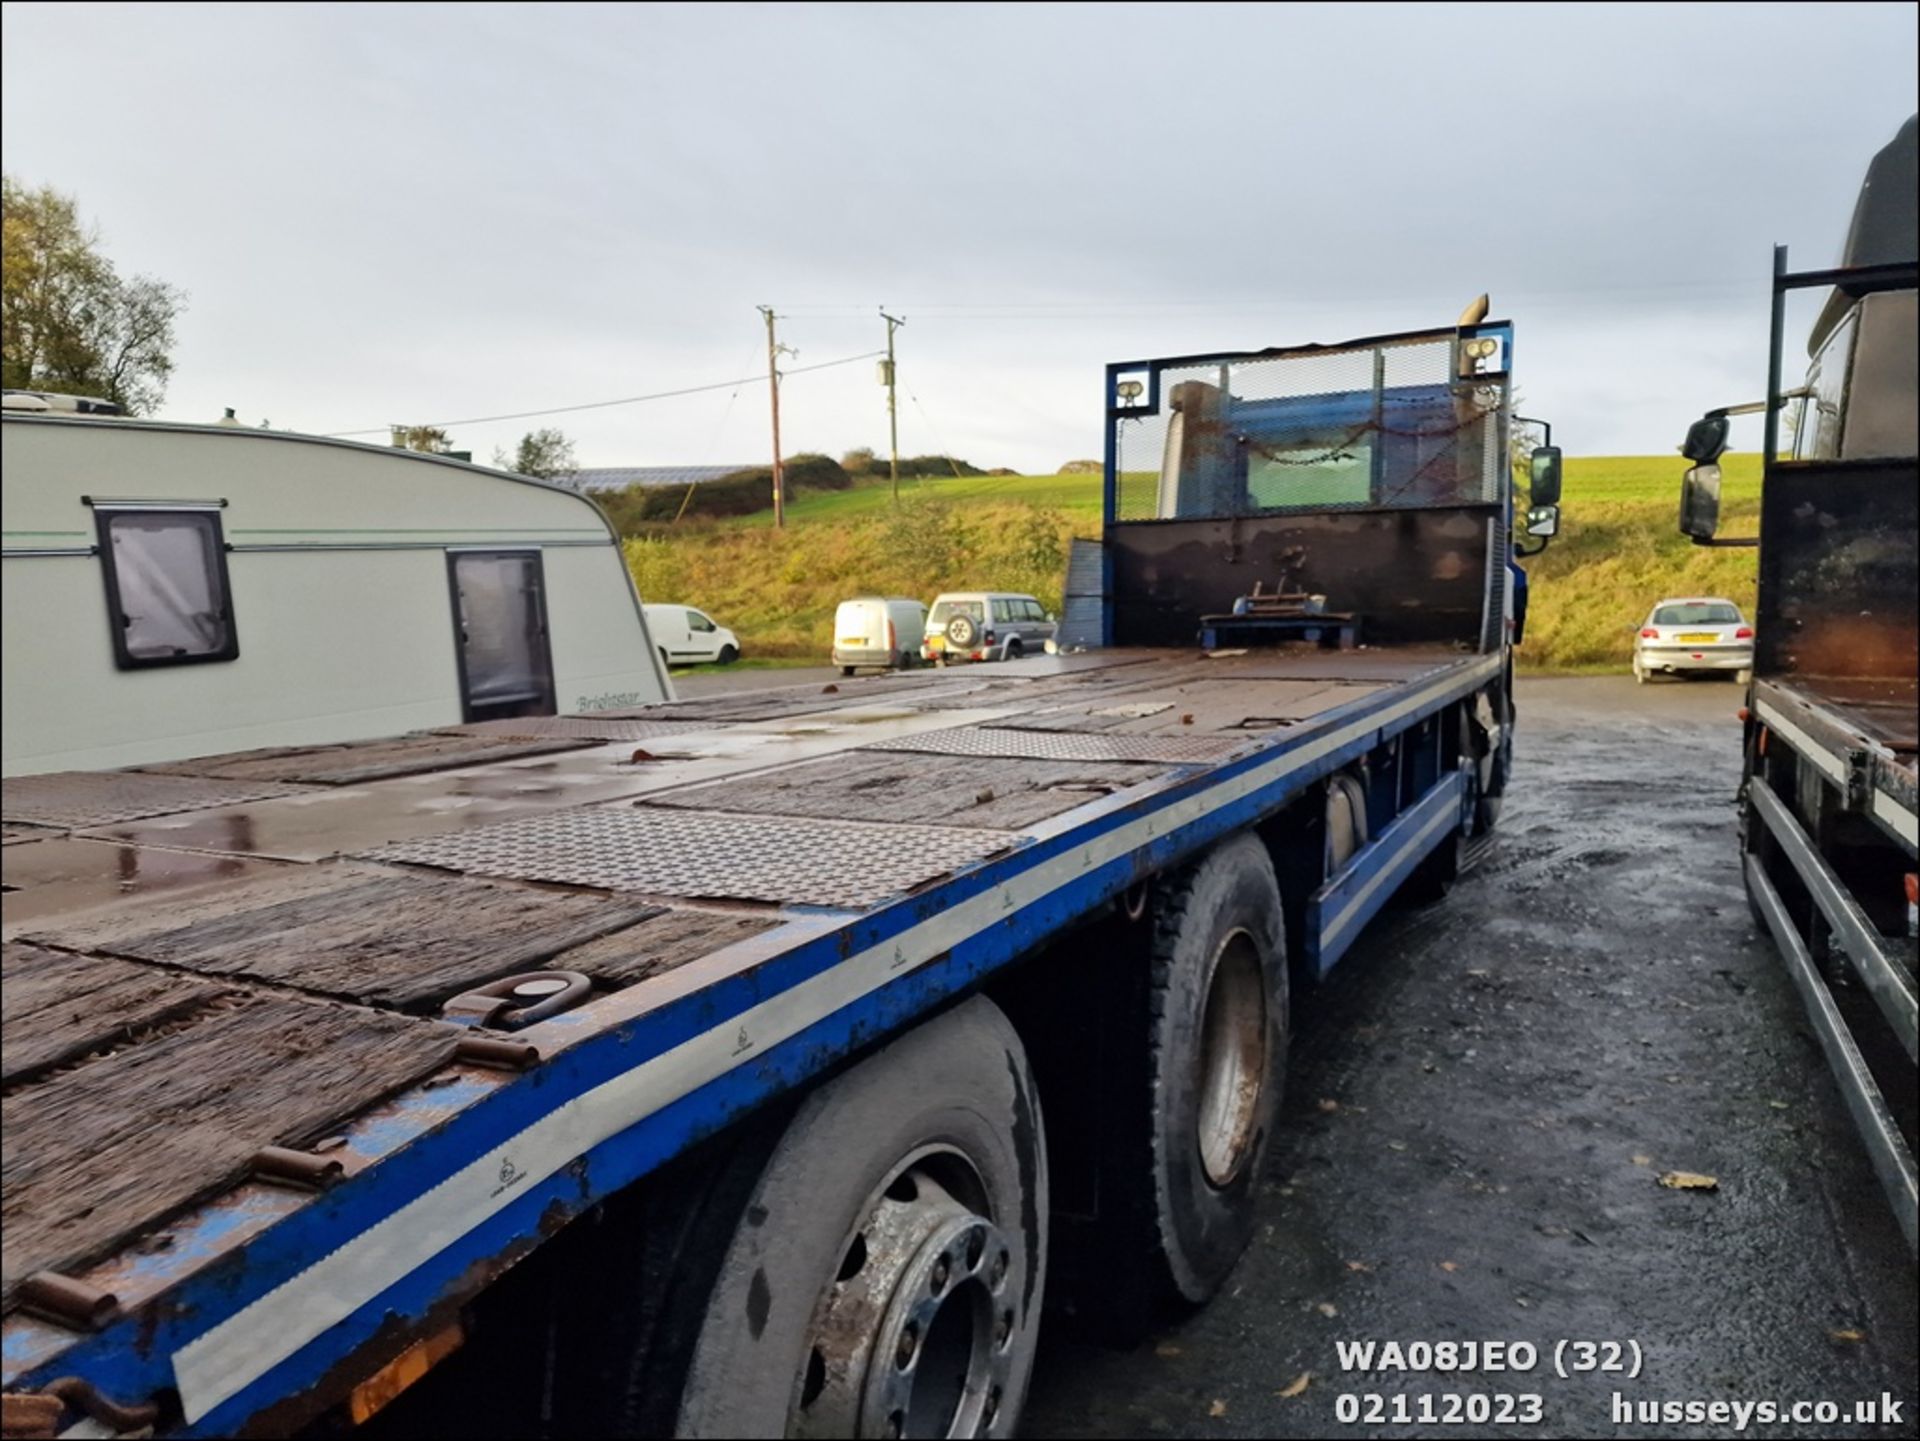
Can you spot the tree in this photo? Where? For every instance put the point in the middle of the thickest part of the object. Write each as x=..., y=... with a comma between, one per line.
x=543, y=454
x=859, y=461
x=427, y=439
x=68, y=321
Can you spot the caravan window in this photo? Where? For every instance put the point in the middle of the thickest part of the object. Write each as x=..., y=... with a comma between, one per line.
x=167, y=595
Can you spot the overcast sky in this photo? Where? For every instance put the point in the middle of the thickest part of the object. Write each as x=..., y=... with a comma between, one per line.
x=424, y=213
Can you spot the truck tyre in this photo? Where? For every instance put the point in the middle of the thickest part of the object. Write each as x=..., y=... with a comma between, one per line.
x=728, y=655
x=885, y=1276
x=1217, y=1058
x=846, y=670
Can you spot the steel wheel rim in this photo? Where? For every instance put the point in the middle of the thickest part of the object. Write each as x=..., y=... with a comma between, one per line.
x=1232, y=1058
x=913, y=1335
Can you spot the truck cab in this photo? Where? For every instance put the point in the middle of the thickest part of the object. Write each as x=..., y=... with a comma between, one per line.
x=1828, y=793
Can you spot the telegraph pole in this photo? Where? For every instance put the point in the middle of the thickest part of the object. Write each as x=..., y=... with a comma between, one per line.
x=773, y=389
x=893, y=414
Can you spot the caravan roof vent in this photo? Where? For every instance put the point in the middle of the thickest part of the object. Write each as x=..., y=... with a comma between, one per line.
x=48, y=400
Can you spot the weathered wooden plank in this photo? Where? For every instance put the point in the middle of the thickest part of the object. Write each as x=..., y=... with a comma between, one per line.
x=403, y=941
x=105, y=928
x=100, y=1153
x=56, y=1007
x=899, y=788
x=659, y=944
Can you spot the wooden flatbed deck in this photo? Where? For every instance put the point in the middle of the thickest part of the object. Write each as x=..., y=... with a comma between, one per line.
x=211, y=957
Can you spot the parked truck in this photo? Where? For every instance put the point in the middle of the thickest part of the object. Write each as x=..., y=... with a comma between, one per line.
x=764, y=1064
x=1827, y=793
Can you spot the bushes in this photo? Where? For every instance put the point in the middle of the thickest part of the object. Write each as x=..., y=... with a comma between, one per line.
x=641, y=508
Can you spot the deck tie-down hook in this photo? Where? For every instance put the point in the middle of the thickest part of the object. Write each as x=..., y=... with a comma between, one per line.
x=515, y=1001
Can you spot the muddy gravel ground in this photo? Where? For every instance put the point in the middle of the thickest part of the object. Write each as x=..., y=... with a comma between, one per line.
x=1481, y=1102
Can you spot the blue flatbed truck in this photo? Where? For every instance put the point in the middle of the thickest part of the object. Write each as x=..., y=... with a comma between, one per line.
x=758, y=1064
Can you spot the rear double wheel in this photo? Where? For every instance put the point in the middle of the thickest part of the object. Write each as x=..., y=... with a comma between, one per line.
x=878, y=1274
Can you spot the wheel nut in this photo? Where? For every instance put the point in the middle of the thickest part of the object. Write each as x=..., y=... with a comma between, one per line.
x=909, y=1342
x=942, y=1270
x=992, y=1407
x=1003, y=1328
x=999, y=1273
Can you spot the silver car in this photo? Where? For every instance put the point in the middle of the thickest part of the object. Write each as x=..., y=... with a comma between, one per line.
x=1694, y=635
x=985, y=625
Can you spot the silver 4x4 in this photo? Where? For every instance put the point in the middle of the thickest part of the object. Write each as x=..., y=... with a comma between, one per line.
x=986, y=625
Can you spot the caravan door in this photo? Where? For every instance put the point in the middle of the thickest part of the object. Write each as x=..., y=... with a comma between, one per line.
x=500, y=630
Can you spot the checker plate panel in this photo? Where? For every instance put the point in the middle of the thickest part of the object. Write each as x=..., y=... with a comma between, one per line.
x=1067, y=745
x=701, y=855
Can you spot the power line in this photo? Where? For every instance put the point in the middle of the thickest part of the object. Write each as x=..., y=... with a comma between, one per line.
x=604, y=404
x=1123, y=309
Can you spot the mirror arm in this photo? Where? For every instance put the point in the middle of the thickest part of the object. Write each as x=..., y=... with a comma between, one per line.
x=1747, y=541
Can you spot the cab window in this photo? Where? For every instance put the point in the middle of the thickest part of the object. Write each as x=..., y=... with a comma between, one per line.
x=698, y=622
x=1821, y=411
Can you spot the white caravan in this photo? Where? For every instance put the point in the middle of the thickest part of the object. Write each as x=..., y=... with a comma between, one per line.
x=181, y=590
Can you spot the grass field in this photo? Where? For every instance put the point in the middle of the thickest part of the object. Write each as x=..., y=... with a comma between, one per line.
x=1073, y=495
x=1617, y=553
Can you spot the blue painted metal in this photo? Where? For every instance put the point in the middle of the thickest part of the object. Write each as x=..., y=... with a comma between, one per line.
x=1340, y=909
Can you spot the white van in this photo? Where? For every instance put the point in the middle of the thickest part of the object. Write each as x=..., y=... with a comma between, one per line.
x=881, y=631
x=686, y=636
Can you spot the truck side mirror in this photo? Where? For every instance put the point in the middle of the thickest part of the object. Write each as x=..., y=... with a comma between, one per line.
x=1700, y=502
x=1544, y=521
x=1706, y=440
x=1545, y=487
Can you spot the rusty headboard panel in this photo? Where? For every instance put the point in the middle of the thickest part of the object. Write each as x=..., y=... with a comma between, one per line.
x=1838, y=583
x=1412, y=575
